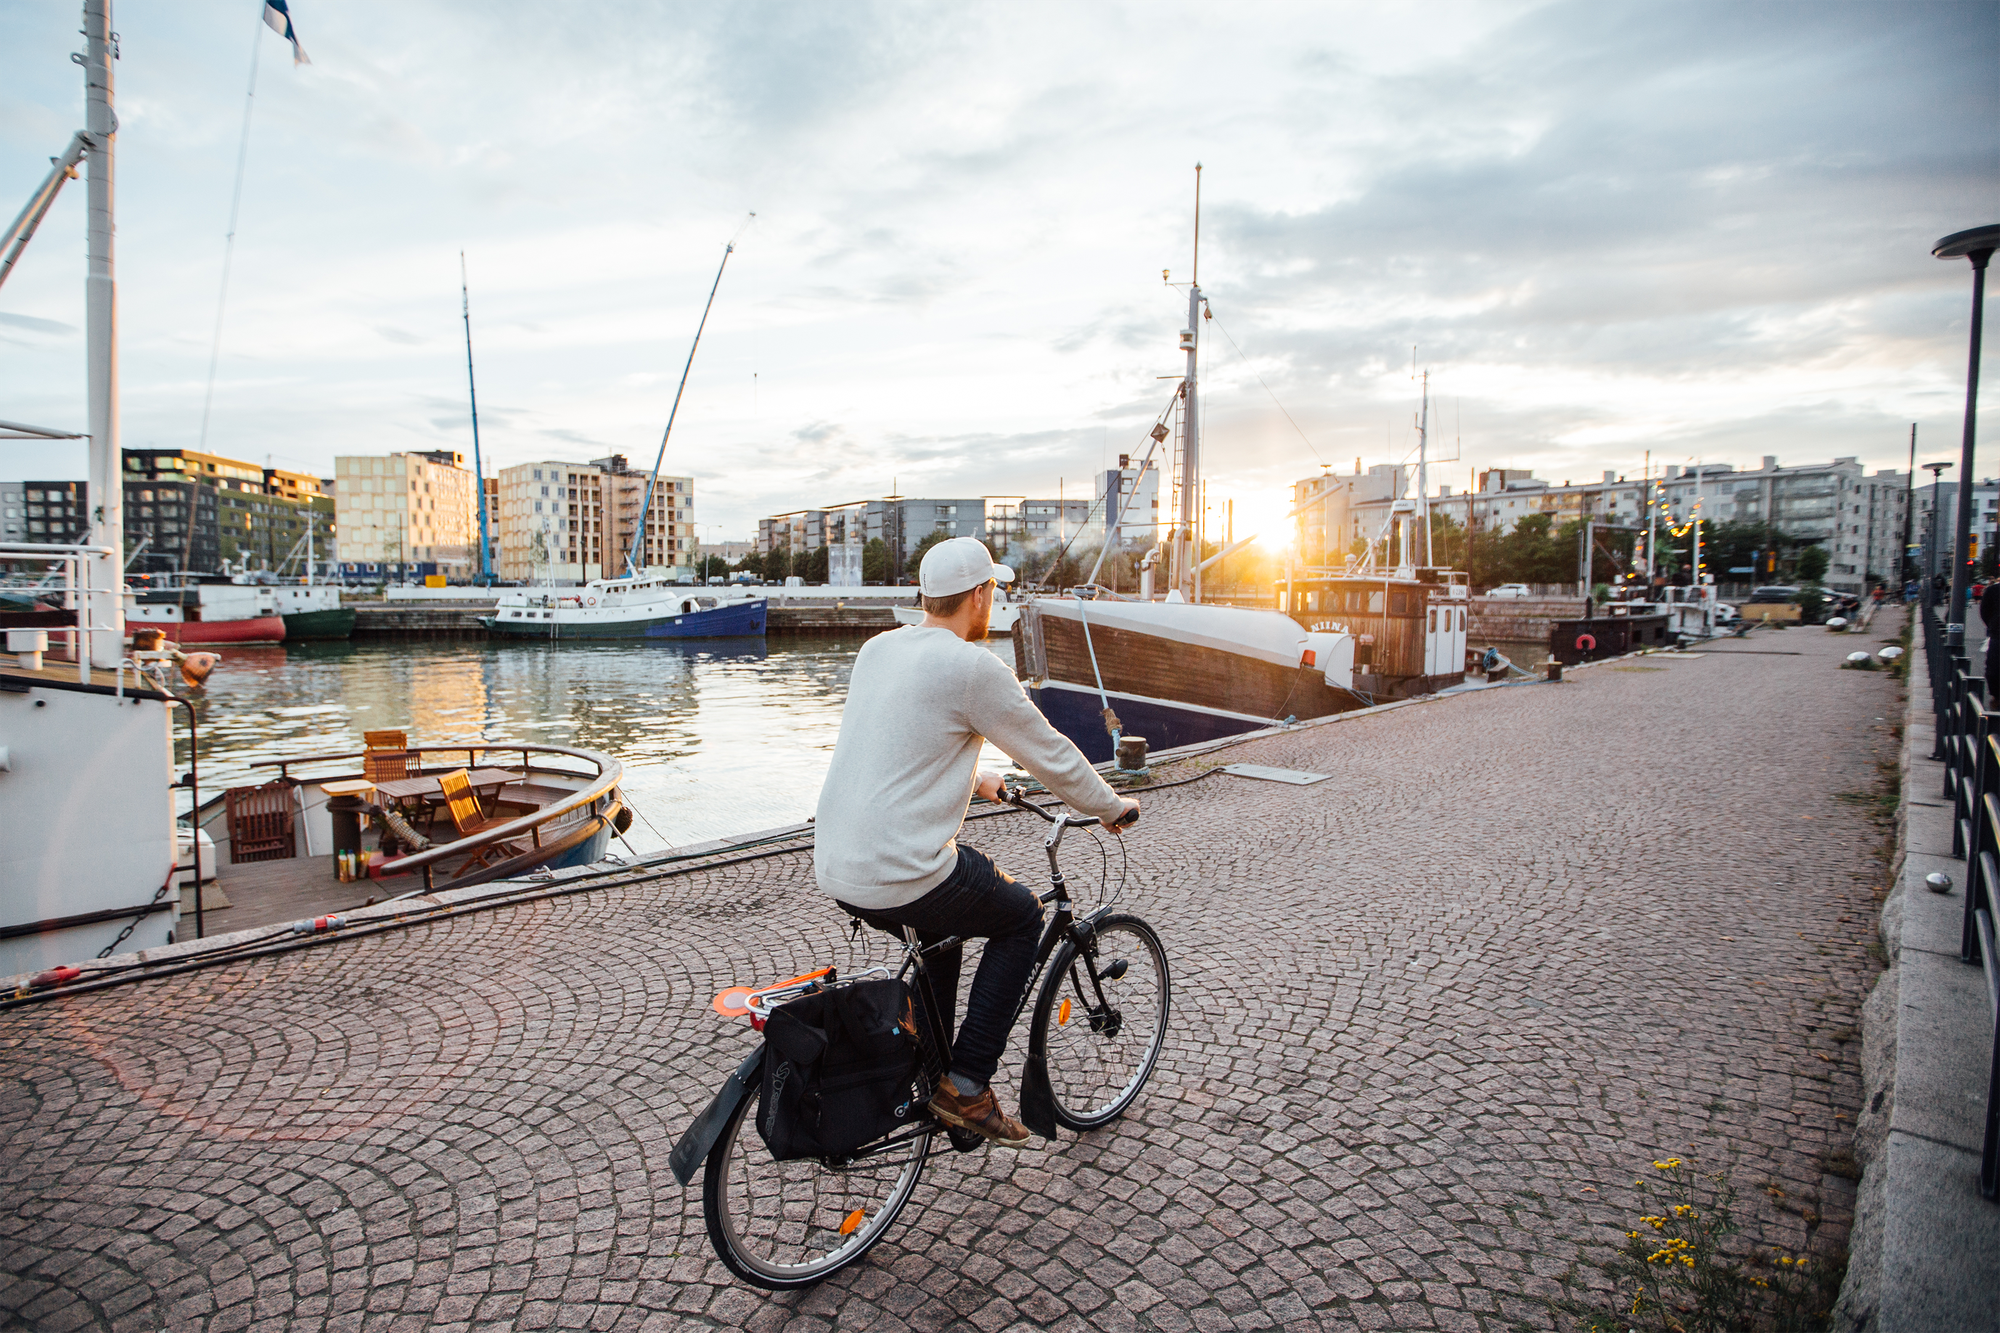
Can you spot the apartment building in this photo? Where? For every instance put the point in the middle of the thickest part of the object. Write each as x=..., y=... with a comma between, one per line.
x=407, y=513
x=1858, y=517
x=902, y=523
x=1132, y=511
x=204, y=513
x=1924, y=527
x=571, y=522
x=55, y=512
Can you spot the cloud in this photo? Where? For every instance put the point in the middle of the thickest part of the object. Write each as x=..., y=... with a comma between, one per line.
x=36, y=324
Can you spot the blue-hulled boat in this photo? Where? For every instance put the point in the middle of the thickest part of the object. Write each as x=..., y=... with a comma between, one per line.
x=630, y=608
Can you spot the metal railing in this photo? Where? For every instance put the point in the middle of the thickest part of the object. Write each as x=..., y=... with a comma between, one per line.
x=74, y=562
x=1968, y=744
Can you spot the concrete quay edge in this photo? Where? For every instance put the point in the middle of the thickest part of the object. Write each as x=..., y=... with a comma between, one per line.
x=1925, y=1249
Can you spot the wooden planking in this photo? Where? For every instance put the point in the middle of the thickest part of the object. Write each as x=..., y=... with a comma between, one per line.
x=1161, y=668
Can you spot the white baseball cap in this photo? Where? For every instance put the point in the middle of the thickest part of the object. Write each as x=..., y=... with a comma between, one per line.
x=957, y=565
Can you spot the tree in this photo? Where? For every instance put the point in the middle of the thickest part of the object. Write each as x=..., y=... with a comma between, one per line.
x=876, y=564
x=711, y=566
x=1812, y=564
x=812, y=566
x=777, y=565
x=923, y=547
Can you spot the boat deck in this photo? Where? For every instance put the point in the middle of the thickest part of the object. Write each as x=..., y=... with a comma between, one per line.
x=270, y=893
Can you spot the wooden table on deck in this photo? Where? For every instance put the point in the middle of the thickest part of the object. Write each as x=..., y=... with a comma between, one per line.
x=405, y=791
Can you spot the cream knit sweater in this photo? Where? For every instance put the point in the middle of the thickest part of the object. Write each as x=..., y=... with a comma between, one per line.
x=919, y=701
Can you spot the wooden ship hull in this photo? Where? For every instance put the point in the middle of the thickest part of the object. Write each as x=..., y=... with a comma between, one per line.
x=1174, y=673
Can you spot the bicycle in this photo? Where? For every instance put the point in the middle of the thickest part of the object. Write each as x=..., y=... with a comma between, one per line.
x=1094, y=1039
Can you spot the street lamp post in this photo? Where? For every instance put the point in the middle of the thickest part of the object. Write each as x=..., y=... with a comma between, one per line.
x=1976, y=245
x=1931, y=544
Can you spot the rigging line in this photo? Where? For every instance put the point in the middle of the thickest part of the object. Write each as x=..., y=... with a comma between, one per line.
x=1267, y=389
x=229, y=239
x=1056, y=562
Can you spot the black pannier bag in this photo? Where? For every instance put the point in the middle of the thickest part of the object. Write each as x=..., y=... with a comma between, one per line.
x=842, y=1068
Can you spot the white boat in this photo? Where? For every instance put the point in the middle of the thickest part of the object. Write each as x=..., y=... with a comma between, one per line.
x=1006, y=614
x=631, y=608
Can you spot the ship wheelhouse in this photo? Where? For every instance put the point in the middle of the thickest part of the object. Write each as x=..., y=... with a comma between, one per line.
x=1409, y=632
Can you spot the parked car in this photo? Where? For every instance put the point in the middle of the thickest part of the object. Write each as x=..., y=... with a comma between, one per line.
x=1511, y=590
x=1774, y=592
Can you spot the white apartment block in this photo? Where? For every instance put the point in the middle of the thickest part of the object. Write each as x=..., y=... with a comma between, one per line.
x=407, y=508
x=1132, y=511
x=1857, y=517
x=565, y=522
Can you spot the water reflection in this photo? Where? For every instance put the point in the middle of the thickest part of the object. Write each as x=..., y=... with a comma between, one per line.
x=718, y=736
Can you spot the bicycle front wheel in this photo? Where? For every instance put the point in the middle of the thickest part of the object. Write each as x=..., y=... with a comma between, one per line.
x=791, y=1224
x=1101, y=1021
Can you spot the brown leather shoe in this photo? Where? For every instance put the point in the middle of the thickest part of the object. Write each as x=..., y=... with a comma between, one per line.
x=981, y=1115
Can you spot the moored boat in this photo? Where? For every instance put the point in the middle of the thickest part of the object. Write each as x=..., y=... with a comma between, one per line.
x=209, y=613
x=628, y=608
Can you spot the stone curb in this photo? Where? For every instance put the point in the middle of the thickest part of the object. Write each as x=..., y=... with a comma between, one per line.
x=1924, y=1245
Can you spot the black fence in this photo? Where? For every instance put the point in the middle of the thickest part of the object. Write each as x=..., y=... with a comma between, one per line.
x=1968, y=743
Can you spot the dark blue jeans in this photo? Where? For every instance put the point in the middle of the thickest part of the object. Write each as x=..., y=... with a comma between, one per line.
x=977, y=901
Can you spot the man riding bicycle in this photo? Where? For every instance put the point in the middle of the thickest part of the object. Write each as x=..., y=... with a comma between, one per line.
x=920, y=702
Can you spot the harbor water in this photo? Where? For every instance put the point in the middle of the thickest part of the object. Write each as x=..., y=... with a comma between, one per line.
x=718, y=736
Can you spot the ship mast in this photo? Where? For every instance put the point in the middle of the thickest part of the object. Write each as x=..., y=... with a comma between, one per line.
x=472, y=389
x=107, y=487
x=1187, y=549
x=632, y=565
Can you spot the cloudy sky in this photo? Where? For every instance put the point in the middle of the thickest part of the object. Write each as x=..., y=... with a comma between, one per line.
x=1697, y=230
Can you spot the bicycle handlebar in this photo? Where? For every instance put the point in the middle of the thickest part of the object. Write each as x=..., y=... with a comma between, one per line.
x=1013, y=796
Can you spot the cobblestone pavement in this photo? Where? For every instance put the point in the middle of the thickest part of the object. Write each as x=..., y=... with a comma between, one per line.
x=1432, y=1018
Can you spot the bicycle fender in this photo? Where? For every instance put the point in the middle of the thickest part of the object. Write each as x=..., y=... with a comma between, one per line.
x=692, y=1150
x=1038, y=1100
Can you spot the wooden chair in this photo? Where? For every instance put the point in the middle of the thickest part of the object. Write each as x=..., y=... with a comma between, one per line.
x=462, y=804
x=385, y=757
x=260, y=823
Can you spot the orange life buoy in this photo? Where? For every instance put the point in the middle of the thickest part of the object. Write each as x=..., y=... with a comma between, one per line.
x=1585, y=643
x=590, y=601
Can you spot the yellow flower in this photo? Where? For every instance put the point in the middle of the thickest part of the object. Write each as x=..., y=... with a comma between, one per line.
x=1682, y=1210
x=1667, y=1165
x=1688, y=1261
x=1631, y=1235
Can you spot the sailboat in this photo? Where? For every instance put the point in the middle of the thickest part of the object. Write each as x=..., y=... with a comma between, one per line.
x=638, y=605
x=1177, y=671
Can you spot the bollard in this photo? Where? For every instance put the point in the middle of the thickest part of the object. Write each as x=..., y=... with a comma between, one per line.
x=1556, y=672
x=1132, y=754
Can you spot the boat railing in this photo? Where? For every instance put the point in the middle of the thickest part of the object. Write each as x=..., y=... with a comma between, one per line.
x=76, y=588
x=608, y=772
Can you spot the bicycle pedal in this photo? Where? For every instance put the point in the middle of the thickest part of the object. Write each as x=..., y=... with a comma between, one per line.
x=964, y=1140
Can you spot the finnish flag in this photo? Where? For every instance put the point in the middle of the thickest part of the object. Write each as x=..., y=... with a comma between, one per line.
x=280, y=19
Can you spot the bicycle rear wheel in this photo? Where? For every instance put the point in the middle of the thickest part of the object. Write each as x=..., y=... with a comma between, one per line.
x=791, y=1224
x=1101, y=1021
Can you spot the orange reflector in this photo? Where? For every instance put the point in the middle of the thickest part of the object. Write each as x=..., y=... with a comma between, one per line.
x=730, y=1002
x=854, y=1219
x=1062, y=1014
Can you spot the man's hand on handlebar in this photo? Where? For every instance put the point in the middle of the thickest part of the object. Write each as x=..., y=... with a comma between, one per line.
x=1126, y=820
x=1006, y=795
x=990, y=787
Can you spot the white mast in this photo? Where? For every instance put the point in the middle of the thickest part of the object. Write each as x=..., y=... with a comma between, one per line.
x=1187, y=553
x=107, y=487
x=1423, y=470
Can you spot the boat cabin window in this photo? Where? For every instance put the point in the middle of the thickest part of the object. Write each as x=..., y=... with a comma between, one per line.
x=1431, y=621
x=1399, y=601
